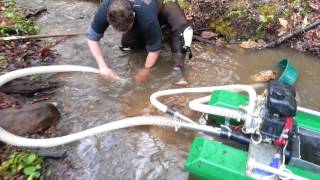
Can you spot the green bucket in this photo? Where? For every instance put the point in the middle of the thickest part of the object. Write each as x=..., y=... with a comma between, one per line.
x=289, y=74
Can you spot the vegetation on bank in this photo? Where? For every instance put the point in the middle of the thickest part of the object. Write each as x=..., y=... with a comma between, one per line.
x=237, y=21
x=12, y=22
x=14, y=55
x=21, y=164
x=17, y=20
x=231, y=21
x=255, y=22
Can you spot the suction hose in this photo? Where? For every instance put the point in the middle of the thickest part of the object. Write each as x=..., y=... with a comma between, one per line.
x=44, y=70
x=12, y=139
x=210, y=109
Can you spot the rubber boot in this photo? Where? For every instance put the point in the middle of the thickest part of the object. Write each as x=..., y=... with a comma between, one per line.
x=178, y=69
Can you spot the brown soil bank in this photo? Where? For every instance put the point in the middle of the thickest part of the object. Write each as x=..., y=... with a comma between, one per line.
x=255, y=20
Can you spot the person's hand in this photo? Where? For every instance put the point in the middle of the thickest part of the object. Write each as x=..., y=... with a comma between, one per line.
x=142, y=74
x=107, y=73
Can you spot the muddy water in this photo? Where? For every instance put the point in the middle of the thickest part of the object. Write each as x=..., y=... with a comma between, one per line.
x=88, y=101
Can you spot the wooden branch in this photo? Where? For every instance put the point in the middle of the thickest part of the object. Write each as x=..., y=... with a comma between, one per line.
x=204, y=40
x=290, y=35
x=40, y=36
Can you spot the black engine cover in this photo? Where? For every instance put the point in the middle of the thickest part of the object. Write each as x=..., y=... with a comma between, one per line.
x=281, y=99
x=272, y=127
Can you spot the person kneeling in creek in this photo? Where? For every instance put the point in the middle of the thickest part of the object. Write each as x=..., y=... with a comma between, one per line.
x=139, y=22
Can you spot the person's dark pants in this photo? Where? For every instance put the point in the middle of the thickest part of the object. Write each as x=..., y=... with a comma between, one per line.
x=172, y=16
x=133, y=39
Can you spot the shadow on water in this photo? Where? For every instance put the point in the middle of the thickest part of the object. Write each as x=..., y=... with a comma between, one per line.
x=145, y=152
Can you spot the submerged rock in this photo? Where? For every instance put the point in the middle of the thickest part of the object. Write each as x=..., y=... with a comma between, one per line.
x=7, y=101
x=264, y=76
x=29, y=118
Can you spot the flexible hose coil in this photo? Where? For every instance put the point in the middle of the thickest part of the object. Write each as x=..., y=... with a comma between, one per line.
x=15, y=140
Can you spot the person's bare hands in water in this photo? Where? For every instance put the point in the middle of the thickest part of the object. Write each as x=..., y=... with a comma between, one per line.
x=107, y=73
x=142, y=74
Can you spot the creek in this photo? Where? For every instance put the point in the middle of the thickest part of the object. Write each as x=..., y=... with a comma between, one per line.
x=87, y=100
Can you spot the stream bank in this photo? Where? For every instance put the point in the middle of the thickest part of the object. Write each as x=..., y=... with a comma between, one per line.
x=257, y=22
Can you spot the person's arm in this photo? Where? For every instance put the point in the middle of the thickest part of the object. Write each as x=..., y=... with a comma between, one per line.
x=152, y=36
x=151, y=59
x=94, y=33
x=96, y=51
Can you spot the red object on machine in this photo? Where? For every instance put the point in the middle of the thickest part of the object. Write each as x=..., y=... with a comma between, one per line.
x=284, y=135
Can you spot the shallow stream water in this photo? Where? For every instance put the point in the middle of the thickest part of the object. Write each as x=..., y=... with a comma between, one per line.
x=87, y=101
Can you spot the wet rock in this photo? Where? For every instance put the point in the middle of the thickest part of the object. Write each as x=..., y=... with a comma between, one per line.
x=29, y=87
x=249, y=44
x=29, y=118
x=264, y=76
x=208, y=34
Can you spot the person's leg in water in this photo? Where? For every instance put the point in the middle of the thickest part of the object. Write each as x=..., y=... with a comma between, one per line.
x=175, y=19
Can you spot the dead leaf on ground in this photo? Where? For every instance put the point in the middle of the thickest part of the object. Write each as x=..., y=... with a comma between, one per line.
x=44, y=52
x=305, y=22
x=282, y=31
x=284, y=27
x=249, y=44
x=283, y=23
x=189, y=17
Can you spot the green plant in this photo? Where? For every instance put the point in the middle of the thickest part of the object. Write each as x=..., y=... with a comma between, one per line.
x=224, y=27
x=250, y=18
x=233, y=13
x=11, y=3
x=268, y=10
x=3, y=58
x=266, y=19
x=26, y=163
x=300, y=3
x=302, y=6
x=286, y=11
x=21, y=24
x=259, y=35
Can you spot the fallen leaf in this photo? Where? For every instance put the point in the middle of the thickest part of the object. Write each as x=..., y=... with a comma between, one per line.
x=189, y=17
x=282, y=31
x=261, y=42
x=44, y=52
x=283, y=23
x=249, y=44
x=305, y=22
